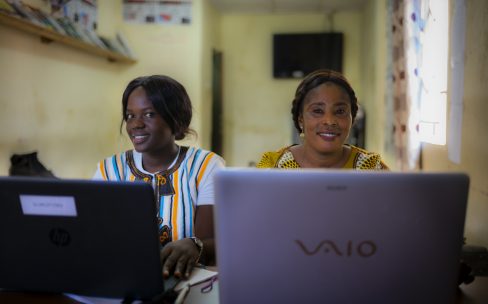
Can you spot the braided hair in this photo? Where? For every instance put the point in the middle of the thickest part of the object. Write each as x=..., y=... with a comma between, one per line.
x=313, y=80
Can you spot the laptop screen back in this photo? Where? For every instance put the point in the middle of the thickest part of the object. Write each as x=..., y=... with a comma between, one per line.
x=338, y=236
x=93, y=238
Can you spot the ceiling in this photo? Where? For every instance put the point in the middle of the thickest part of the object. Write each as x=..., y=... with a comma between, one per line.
x=286, y=6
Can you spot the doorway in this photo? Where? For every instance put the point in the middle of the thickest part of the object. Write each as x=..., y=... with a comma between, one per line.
x=217, y=104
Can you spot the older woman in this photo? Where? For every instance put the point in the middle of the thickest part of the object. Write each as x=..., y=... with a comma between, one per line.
x=323, y=110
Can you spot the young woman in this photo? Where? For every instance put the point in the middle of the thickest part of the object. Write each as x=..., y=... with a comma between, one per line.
x=323, y=110
x=157, y=111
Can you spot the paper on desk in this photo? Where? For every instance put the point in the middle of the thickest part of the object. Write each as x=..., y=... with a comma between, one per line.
x=198, y=275
x=95, y=300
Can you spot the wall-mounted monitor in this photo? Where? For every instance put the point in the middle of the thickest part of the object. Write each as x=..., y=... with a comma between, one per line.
x=297, y=54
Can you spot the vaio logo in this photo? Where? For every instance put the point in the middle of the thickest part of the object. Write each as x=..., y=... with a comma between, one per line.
x=364, y=249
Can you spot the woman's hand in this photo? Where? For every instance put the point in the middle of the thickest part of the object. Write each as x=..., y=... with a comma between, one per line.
x=179, y=257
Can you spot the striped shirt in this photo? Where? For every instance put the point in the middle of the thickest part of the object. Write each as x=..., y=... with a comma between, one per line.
x=186, y=184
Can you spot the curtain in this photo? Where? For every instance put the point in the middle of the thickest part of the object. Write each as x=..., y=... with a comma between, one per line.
x=406, y=25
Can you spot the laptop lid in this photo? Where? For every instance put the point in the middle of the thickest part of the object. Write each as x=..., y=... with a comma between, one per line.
x=93, y=238
x=310, y=236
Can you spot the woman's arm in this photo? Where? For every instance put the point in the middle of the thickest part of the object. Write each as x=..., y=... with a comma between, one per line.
x=204, y=230
x=179, y=257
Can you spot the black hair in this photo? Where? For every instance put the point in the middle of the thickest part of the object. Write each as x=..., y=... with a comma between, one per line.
x=313, y=80
x=168, y=97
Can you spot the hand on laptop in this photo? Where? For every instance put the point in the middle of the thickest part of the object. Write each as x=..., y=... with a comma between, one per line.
x=179, y=257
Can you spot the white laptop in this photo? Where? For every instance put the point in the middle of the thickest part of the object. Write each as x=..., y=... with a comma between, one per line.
x=313, y=236
x=92, y=238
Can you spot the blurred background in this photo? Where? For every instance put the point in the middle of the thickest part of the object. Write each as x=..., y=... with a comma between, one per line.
x=65, y=103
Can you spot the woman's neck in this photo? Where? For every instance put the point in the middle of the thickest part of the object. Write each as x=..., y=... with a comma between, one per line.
x=160, y=160
x=307, y=157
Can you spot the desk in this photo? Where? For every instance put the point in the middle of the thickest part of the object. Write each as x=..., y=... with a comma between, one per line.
x=474, y=293
x=36, y=298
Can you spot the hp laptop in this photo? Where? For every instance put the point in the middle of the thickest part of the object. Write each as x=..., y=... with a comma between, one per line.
x=292, y=236
x=92, y=238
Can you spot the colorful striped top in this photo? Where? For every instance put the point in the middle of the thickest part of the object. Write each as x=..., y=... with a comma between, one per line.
x=186, y=184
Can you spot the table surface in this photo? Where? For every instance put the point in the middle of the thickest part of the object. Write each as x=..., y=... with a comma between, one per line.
x=474, y=293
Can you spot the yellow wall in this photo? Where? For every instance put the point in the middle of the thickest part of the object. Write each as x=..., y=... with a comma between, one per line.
x=474, y=152
x=58, y=101
x=65, y=103
x=173, y=50
x=210, y=40
x=257, y=107
x=373, y=76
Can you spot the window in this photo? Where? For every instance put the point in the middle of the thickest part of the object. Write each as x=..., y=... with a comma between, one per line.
x=431, y=66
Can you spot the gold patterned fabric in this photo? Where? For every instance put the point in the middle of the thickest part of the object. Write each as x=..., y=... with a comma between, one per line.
x=359, y=159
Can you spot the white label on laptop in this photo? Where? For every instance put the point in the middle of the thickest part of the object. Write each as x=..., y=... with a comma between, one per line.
x=48, y=205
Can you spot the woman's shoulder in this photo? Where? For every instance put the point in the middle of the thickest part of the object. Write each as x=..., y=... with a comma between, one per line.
x=269, y=159
x=366, y=160
x=114, y=167
x=202, y=155
x=199, y=151
x=122, y=156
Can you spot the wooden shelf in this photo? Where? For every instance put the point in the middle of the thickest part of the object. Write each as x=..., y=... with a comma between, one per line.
x=47, y=35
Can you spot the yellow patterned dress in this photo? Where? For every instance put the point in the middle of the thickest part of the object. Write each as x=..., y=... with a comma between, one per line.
x=359, y=159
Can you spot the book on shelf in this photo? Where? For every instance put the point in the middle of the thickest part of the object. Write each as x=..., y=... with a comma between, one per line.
x=53, y=23
x=6, y=7
x=125, y=45
x=65, y=26
x=23, y=11
x=95, y=38
x=68, y=27
x=109, y=44
x=118, y=46
x=115, y=45
x=83, y=34
x=44, y=18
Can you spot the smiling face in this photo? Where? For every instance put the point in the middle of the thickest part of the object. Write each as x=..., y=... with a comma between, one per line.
x=326, y=118
x=147, y=130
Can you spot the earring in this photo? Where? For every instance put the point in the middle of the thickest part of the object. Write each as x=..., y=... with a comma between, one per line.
x=302, y=134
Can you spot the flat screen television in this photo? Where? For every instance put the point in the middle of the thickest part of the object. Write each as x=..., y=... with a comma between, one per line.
x=297, y=54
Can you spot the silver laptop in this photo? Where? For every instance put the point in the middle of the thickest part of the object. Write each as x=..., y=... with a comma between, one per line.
x=92, y=238
x=291, y=236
